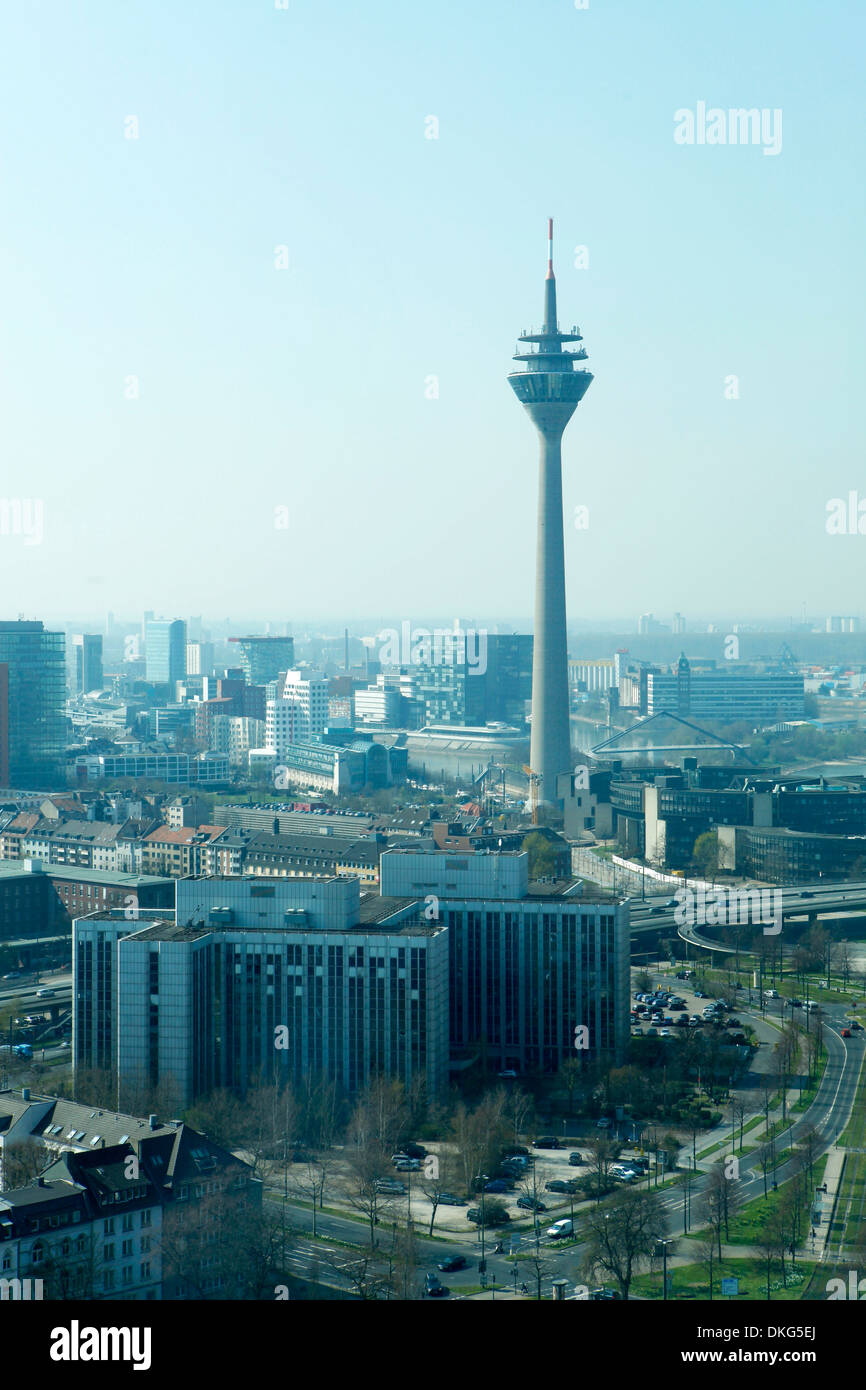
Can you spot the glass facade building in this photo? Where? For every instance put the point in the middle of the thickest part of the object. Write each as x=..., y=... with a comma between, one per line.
x=35, y=662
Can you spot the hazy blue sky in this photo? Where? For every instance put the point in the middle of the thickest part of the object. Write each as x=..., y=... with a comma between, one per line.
x=411, y=257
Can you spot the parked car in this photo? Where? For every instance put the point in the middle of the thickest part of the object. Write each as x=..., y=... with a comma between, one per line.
x=409, y=1165
x=496, y=1185
x=453, y=1263
x=599, y=1294
x=699, y=994
x=450, y=1199
x=474, y=1215
x=682, y=1021
x=390, y=1186
x=414, y=1151
x=560, y=1229
x=530, y=1204
x=515, y=1151
x=547, y=1143
x=603, y=1123
x=576, y=1160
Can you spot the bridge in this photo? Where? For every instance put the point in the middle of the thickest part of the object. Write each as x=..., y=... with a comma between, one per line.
x=827, y=902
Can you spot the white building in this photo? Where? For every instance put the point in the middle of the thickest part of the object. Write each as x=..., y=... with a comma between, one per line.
x=301, y=715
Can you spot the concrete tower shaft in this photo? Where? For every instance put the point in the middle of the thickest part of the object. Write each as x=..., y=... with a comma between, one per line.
x=550, y=387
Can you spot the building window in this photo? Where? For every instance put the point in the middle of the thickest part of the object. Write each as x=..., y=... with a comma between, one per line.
x=145, y=1269
x=108, y=1252
x=127, y=1274
x=108, y=1279
x=126, y=1249
x=127, y=1222
x=38, y=1253
x=108, y=1227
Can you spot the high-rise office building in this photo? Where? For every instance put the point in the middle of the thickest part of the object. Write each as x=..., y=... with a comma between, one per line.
x=35, y=701
x=529, y=965
x=262, y=659
x=300, y=715
x=88, y=662
x=550, y=386
x=286, y=979
x=165, y=653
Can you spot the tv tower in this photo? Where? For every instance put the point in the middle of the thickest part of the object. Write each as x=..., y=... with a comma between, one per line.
x=550, y=387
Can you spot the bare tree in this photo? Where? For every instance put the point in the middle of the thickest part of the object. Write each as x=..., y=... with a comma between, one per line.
x=368, y=1168
x=440, y=1175
x=722, y=1187
x=308, y=1180
x=622, y=1235
x=21, y=1163
x=602, y=1153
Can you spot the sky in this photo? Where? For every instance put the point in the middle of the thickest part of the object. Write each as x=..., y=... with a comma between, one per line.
x=256, y=324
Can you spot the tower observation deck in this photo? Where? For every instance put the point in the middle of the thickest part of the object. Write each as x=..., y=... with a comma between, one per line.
x=550, y=386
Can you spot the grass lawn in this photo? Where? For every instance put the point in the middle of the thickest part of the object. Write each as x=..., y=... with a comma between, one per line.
x=746, y=1225
x=692, y=1281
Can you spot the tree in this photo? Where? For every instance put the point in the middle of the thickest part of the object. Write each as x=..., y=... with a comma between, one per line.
x=603, y=1152
x=520, y=1109
x=706, y=1245
x=643, y=982
x=308, y=1179
x=440, y=1175
x=571, y=1074
x=221, y=1246
x=368, y=1167
x=542, y=855
x=721, y=1188
x=705, y=855
x=21, y=1163
x=621, y=1235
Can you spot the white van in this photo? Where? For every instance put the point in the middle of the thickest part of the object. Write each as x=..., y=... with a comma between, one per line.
x=560, y=1229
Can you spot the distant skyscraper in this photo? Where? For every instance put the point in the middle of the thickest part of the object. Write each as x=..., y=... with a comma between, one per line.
x=88, y=662
x=36, y=681
x=550, y=387
x=165, y=652
x=262, y=659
